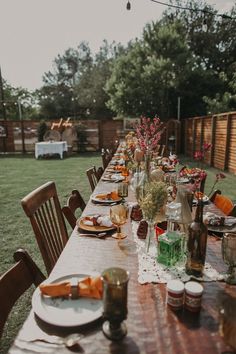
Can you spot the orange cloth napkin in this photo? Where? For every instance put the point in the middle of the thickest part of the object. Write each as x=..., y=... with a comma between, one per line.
x=223, y=203
x=113, y=195
x=88, y=287
x=118, y=168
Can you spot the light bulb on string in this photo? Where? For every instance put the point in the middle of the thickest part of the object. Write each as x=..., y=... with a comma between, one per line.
x=128, y=5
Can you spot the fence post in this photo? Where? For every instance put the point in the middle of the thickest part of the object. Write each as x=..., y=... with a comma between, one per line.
x=213, y=131
x=228, y=131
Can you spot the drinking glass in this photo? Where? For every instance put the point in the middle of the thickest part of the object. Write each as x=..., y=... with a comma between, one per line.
x=229, y=255
x=123, y=191
x=227, y=318
x=115, y=293
x=173, y=213
x=118, y=216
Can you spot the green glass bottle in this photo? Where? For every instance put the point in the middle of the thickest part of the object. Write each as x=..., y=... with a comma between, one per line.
x=196, y=244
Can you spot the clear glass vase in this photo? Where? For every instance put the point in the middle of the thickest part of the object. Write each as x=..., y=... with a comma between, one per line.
x=151, y=243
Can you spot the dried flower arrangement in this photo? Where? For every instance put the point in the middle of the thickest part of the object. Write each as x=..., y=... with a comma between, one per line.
x=155, y=197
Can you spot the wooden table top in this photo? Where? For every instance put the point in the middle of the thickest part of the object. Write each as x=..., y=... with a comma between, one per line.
x=152, y=326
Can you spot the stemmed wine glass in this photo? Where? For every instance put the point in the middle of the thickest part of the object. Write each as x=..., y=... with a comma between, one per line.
x=229, y=255
x=118, y=216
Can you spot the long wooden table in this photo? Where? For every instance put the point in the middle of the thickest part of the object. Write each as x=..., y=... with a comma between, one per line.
x=152, y=326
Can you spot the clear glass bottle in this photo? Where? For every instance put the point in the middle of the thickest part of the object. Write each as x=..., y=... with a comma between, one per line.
x=196, y=244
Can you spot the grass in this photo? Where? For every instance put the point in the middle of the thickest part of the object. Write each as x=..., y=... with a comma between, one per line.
x=20, y=175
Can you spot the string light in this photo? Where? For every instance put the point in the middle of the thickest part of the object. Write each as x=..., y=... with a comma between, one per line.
x=194, y=10
x=128, y=5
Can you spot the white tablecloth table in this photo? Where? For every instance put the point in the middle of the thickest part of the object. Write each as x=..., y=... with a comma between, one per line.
x=46, y=147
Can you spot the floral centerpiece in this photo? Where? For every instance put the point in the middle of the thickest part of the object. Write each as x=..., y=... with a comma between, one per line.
x=200, y=154
x=155, y=197
x=152, y=203
x=218, y=178
x=148, y=133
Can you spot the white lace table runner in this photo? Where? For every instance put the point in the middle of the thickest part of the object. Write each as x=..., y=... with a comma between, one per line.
x=150, y=271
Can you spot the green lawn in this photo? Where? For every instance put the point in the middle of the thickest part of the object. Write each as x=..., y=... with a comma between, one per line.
x=20, y=175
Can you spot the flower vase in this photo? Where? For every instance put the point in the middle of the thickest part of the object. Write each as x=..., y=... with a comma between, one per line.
x=147, y=160
x=151, y=244
x=145, y=175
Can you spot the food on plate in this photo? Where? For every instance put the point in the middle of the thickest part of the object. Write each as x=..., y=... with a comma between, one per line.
x=108, y=196
x=97, y=220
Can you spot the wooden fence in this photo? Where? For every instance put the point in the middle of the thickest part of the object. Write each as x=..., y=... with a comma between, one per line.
x=220, y=131
x=21, y=136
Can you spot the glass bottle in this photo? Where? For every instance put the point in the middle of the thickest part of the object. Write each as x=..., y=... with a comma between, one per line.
x=145, y=179
x=196, y=244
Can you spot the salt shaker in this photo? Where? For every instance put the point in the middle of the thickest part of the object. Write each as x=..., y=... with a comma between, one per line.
x=175, y=294
x=193, y=296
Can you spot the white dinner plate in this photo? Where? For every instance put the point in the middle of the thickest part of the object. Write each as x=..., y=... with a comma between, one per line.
x=65, y=312
x=204, y=199
x=182, y=180
x=105, y=201
x=113, y=178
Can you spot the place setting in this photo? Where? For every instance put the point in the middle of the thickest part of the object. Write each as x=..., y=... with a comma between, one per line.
x=96, y=225
x=113, y=177
x=106, y=198
x=76, y=300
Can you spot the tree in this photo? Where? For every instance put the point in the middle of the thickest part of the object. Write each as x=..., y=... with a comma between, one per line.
x=19, y=103
x=91, y=87
x=146, y=78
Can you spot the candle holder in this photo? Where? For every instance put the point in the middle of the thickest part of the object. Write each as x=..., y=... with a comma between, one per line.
x=115, y=291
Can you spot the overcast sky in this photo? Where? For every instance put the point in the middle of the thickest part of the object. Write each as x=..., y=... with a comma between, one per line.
x=34, y=32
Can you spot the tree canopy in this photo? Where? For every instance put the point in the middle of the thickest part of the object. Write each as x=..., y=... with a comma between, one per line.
x=189, y=55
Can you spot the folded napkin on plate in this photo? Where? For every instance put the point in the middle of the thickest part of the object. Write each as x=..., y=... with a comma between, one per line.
x=88, y=287
x=97, y=220
x=216, y=220
x=108, y=196
x=118, y=168
x=117, y=177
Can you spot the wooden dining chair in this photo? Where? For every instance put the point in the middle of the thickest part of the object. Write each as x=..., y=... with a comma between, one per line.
x=99, y=172
x=74, y=202
x=92, y=177
x=106, y=157
x=223, y=203
x=15, y=281
x=43, y=208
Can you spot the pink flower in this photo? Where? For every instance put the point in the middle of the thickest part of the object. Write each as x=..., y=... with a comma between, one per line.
x=198, y=155
x=149, y=133
x=220, y=176
x=206, y=147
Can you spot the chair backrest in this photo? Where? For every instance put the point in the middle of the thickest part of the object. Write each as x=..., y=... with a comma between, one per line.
x=162, y=150
x=99, y=172
x=106, y=158
x=52, y=135
x=69, y=135
x=74, y=202
x=223, y=203
x=92, y=177
x=43, y=208
x=15, y=281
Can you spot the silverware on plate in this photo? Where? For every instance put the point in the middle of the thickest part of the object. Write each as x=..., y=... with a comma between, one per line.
x=99, y=235
x=71, y=341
